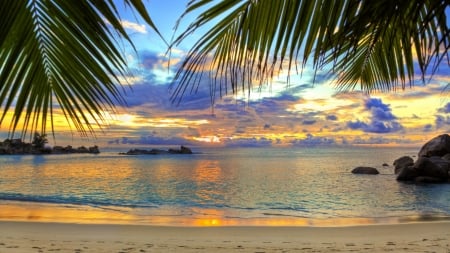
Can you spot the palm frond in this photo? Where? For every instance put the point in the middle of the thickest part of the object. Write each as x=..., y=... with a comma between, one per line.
x=61, y=55
x=373, y=44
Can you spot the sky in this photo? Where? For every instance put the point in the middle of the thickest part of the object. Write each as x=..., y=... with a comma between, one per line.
x=303, y=113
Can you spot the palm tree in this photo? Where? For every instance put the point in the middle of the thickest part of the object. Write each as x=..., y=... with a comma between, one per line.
x=374, y=44
x=39, y=141
x=61, y=55
x=64, y=54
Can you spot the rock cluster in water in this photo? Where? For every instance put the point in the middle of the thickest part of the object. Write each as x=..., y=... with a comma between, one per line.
x=431, y=166
x=19, y=147
x=182, y=150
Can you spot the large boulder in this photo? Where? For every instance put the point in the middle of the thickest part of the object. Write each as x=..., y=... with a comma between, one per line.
x=365, y=170
x=407, y=173
x=438, y=146
x=446, y=157
x=434, y=167
x=426, y=170
x=402, y=162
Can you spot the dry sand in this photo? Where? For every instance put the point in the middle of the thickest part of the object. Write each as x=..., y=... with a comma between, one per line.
x=63, y=237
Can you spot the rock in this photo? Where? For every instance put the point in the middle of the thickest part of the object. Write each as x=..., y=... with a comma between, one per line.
x=185, y=150
x=182, y=150
x=94, y=150
x=82, y=150
x=438, y=146
x=435, y=167
x=446, y=157
x=426, y=170
x=365, y=170
x=402, y=162
x=407, y=173
x=385, y=165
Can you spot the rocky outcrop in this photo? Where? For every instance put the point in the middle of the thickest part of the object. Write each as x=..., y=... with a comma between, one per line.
x=182, y=150
x=18, y=147
x=431, y=166
x=80, y=150
x=402, y=162
x=438, y=146
x=365, y=170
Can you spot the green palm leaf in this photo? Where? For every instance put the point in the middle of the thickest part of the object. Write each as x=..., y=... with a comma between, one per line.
x=373, y=44
x=61, y=55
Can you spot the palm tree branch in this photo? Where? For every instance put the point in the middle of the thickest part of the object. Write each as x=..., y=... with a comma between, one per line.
x=61, y=54
x=363, y=42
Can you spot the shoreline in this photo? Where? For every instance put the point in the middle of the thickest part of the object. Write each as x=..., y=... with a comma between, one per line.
x=18, y=211
x=70, y=237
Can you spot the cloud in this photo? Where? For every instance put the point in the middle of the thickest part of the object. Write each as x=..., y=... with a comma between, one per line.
x=248, y=142
x=152, y=139
x=382, y=120
x=442, y=121
x=134, y=26
x=312, y=141
x=309, y=122
x=149, y=60
x=332, y=117
x=445, y=109
x=428, y=128
x=375, y=126
x=380, y=140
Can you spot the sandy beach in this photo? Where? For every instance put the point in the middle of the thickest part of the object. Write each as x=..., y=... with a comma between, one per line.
x=64, y=237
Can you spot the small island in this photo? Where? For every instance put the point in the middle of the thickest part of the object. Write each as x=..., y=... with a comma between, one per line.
x=182, y=150
x=37, y=147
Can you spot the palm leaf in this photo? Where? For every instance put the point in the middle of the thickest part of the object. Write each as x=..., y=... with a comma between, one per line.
x=373, y=44
x=61, y=55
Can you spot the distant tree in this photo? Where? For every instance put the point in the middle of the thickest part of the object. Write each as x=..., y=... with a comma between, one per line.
x=39, y=141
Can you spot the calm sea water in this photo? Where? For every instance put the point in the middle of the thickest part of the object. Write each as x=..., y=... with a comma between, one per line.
x=220, y=186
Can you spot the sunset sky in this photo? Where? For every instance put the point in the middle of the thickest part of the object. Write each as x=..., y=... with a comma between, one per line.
x=301, y=113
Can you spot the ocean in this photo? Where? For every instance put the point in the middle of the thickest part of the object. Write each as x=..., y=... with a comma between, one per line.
x=218, y=186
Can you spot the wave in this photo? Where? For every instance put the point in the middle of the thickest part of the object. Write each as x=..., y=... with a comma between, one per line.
x=70, y=201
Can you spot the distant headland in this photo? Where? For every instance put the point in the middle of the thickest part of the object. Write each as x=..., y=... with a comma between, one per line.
x=182, y=150
x=37, y=147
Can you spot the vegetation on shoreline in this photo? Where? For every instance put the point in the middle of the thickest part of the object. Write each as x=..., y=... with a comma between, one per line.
x=37, y=147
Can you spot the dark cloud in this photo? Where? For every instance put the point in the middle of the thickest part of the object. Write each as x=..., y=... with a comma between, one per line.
x=149, y=59
x=380, y=140
x=152, y=140
x=309, y=122
x=428, y=128
x=376, y=103
x=332, y=117
x=312, y=141
x=141, y=94
x=382, y=120
x=445, y=109
x=442, y=121
x=248, y=142
x=273, y=104
x=375, y=126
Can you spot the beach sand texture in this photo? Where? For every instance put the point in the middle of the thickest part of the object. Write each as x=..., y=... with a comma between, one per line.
x=63, y=237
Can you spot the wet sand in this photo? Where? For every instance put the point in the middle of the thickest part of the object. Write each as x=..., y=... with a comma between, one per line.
x=66, y=237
